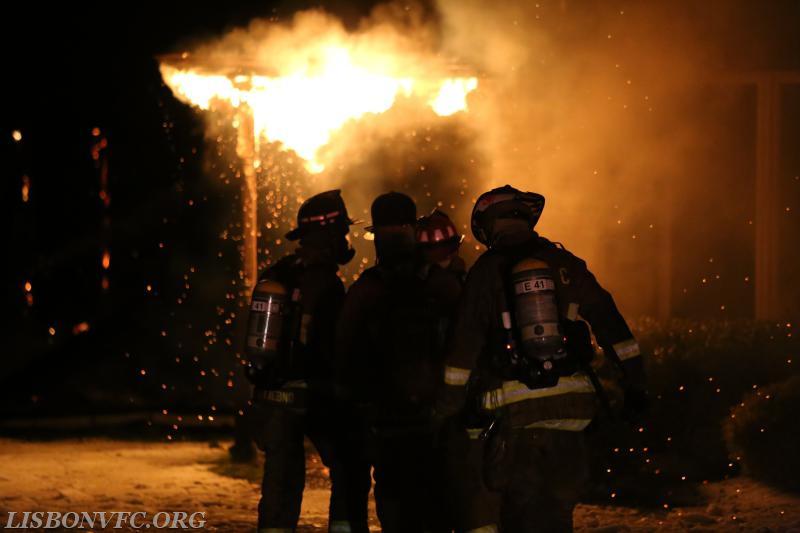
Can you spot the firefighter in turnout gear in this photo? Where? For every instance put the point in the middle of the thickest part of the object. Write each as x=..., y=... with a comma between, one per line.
x=517, y=375
x=390, y=348
x=438, y=241
x=293, y=315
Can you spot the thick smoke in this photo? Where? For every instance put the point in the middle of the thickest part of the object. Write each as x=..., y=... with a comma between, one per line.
x=618, y=112
x=594, y=105
x=626, y=116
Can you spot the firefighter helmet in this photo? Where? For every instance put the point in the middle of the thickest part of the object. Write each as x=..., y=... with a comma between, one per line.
x=393, y=209
x=325, y=210
x=436, y=230
x=504, y=202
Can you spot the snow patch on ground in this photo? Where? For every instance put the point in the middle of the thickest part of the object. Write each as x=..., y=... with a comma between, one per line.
x=115, y=475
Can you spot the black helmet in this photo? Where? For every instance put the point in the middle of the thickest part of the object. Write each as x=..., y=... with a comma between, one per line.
x=504, y=202
x=321, y=211
x=393, y=209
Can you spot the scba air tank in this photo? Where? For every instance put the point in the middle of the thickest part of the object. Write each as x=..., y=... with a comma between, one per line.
x=536, y=313
x=265, y=326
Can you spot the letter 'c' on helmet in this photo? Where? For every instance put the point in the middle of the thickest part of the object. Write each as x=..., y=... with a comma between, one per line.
x=500, y=201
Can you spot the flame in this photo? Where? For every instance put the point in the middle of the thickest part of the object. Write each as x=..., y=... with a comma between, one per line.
x=303, y=108
x=452, y=96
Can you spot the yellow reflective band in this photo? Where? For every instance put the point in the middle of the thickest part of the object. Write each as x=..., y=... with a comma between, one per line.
x=456, y=376
x=474, y=433
x=563, y=424
x=514, y=391
x=627, y=349
x=491, y=528
x=297, y=384
x=572, y=311
x=280, y=396
x=340, y=526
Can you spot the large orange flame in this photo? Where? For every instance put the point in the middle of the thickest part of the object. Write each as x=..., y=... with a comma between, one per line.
x=302, y=110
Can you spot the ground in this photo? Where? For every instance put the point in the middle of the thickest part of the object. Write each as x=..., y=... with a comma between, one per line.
x=113, y=475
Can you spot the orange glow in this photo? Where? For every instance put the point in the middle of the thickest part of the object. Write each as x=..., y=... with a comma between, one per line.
x=106, y=259
x=28, y=293
x=26, y=188
x=16, y=135
x=82, y=327
x=98, y=147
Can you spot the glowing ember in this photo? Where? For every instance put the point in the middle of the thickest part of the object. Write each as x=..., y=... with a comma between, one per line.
x=26, y=188
x=82, y=327
x=304, y=108
x=28, y=293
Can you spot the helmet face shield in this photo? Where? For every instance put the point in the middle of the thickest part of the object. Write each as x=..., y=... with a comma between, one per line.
x=504, y=202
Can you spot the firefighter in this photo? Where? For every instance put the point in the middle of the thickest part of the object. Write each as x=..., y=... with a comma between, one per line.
x=444, y=272
x=438, y=242
x=517, y=377
x=390, y=344
x=293, y=316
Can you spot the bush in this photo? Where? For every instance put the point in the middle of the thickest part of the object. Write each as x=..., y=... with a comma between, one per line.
x=763, y=434
x=697, y=371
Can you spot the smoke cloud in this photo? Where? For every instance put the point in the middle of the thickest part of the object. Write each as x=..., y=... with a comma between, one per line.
x=618, y=112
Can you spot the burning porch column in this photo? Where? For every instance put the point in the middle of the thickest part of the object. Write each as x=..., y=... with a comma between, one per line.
x=246, y=149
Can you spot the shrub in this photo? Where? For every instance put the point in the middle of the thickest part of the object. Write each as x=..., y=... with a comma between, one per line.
x=697, y=371
x=763, y=434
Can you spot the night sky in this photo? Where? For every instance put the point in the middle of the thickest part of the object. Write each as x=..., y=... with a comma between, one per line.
x=71, y=69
